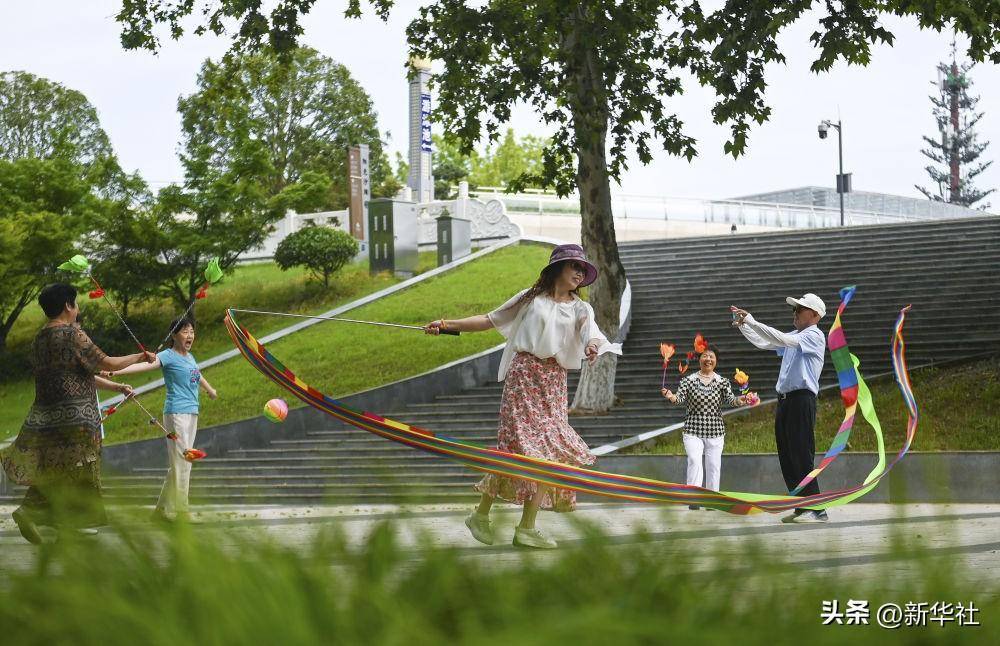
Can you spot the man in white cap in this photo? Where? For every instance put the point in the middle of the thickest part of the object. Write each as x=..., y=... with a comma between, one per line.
x=802, y=353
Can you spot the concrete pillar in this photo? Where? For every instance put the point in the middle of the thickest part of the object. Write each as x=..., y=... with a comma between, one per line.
x=421, y=178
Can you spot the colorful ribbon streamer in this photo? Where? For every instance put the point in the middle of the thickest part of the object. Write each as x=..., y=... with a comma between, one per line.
x=848, y=376
x=563, y=476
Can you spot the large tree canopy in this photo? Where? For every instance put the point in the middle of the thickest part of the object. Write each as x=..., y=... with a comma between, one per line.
x=262, y=134
x=42, y=119
x=45, y=206
x=58, y=175
x=251, y=28
x=297, y=115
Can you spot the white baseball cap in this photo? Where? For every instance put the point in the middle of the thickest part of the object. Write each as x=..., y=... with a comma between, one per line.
x=812, y=301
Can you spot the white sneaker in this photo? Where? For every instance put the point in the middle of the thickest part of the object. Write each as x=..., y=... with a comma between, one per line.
x=480, y=526
x=808, y=516
x=533, y=538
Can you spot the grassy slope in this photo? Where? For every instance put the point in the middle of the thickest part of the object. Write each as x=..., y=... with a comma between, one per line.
x=341, y=359
x=262, y=284
x=958, y=411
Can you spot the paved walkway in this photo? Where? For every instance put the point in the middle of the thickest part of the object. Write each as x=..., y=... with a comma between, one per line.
x=858, y=535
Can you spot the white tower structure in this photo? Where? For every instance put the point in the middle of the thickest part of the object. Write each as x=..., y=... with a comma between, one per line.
x=421, y=178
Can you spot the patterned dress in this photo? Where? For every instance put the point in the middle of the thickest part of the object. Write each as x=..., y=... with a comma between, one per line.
x=58, y=450
x=544, y=339
x=534, y=422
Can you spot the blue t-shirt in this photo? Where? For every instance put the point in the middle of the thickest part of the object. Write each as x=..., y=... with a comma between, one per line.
x=182, y=377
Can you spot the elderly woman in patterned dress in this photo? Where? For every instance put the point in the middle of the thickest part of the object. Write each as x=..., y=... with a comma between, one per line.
x=704, y=393
x=58, y=450
x=549, y=330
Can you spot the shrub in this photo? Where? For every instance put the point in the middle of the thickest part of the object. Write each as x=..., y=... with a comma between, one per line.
x=321, y=250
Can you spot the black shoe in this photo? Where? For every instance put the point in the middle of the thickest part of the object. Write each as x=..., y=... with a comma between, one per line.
x=694, y=507
x=26, y=527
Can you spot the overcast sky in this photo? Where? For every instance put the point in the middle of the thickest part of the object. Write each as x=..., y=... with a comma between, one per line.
x=884, y=107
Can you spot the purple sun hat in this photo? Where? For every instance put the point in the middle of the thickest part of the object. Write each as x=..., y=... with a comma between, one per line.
x=574, y=252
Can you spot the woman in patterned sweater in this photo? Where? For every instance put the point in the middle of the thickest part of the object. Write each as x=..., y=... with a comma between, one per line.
x=704, y=393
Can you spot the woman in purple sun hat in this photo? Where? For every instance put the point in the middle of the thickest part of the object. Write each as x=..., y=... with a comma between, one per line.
x=549, y=330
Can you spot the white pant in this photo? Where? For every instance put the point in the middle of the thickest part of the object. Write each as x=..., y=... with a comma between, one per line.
x=711, y=449
x=174, y=494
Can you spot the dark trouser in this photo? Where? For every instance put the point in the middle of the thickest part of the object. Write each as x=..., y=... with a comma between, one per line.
x=794, y=424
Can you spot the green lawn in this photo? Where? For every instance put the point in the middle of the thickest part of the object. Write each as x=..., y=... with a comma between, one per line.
x=958, y=412
x=340, y=359
x=256, y=286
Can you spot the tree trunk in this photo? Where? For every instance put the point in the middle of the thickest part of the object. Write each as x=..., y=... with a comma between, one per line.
x=588, y=101
x=6, y=325
x=4, y=331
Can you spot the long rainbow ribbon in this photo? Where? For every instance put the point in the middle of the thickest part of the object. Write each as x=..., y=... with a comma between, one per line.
x=621, y=487
x=849, y=377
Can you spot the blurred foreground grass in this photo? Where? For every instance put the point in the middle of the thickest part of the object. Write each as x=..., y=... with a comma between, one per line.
x=207, y=586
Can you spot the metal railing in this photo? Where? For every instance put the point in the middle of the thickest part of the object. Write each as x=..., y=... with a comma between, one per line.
x=738, y=212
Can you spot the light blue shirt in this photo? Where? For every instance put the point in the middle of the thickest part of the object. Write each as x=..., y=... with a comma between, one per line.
x=802, y=365
x=182, y=378
x=802, y=353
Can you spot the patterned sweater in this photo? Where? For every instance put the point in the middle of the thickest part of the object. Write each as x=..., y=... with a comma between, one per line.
x=704, y=404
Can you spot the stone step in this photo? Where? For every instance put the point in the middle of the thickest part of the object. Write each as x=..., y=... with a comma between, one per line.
x=370, y=467
x=805, y=255
x=860, y=317
x=406, y=496
x=939, y=232
x=908, y=289
x=914, y=230
x=200, y=480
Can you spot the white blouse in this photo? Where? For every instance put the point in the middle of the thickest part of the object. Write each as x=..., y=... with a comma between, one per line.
x=547, y=328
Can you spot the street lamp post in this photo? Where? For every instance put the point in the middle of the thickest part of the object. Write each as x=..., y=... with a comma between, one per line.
x=843, y=181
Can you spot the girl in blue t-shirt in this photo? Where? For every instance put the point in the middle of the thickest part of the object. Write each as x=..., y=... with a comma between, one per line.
x=180, y=413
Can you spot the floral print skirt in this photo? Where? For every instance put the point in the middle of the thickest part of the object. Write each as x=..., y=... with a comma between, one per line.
x=534, y=422
x=62, y=468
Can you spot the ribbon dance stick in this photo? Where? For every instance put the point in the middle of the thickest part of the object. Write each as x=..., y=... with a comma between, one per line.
x=190, y=454
x=666, y=351
x=80, y=265
x=343, y=320
x=213, y=274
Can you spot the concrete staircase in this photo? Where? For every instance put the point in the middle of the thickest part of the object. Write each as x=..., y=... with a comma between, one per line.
x=948, y=271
